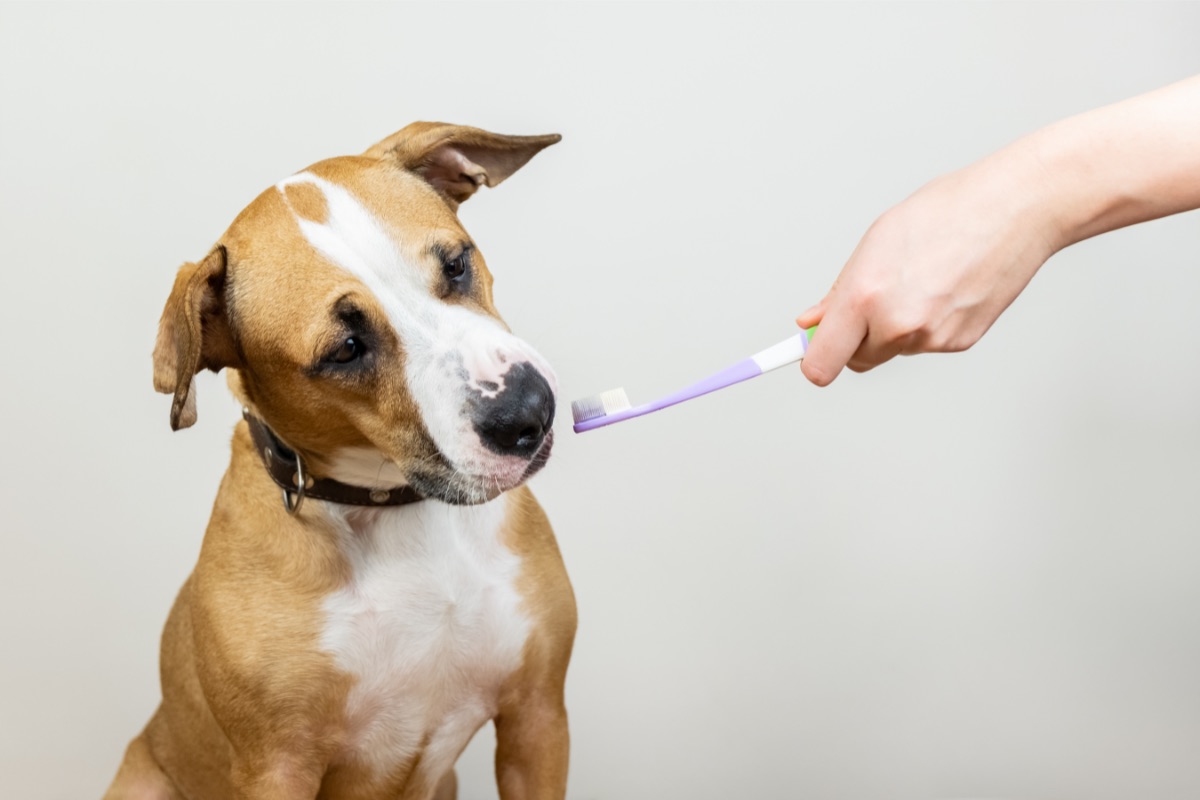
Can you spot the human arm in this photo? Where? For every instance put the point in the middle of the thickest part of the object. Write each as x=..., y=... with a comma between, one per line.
x=934, y=272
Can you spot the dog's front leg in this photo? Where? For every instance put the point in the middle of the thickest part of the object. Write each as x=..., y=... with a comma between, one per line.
x=532, y=750
x=279, y=777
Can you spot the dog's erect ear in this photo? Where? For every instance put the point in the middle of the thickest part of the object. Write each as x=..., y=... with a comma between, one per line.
x=193, y=334
x=457, y=160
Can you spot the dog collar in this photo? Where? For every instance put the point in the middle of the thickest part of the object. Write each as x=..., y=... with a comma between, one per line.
x=286, y=468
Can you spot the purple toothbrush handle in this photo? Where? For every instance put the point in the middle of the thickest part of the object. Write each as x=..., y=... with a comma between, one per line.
x=741, y=371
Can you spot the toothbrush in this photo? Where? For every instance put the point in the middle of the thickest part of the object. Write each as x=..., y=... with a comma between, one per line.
x=614, y=406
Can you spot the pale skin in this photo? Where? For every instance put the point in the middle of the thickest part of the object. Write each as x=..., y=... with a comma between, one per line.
x=933, y=273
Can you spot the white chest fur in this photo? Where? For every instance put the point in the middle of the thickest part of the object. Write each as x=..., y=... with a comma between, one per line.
x=430, y=625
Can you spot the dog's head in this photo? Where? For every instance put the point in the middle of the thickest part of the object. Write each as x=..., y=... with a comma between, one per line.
x=356, y=315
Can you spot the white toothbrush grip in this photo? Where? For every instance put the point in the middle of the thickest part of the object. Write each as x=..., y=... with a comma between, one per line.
x=789, y=351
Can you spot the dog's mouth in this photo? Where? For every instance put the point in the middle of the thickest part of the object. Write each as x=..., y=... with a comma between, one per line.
x=463, y=488
x=539, y=458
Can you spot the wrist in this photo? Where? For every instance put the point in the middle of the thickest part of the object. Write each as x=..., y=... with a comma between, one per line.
x=1076, y=198
x=1024, y=200
x=1046, y=206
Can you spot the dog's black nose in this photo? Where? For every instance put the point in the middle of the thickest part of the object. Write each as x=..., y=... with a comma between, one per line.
x=516, y=420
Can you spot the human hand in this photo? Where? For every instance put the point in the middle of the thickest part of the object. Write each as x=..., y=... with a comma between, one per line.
x=934, y=272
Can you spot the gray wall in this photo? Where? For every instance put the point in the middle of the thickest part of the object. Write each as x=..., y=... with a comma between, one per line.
x=958, y=576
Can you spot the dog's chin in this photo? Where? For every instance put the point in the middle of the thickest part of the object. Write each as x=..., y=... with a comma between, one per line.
x=466, y=489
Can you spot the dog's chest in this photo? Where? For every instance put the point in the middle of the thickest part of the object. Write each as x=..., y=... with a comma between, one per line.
x=430, y=626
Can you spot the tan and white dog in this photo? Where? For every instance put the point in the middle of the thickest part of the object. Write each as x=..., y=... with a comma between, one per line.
x=347, y=639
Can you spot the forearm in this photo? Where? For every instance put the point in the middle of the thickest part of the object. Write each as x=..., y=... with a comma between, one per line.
x=1118, y=165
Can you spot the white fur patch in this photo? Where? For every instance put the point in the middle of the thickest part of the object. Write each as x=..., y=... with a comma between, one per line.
x=430, y=624
x=365, y=466
x=451, y=351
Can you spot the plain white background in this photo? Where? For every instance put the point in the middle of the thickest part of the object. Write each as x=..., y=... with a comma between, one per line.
x=958, y=576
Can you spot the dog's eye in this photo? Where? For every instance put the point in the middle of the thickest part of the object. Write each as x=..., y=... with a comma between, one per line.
x=351, y=349
x=455, y=268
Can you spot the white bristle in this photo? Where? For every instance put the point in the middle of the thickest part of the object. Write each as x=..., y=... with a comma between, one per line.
x=587, y=408
x=601, y=405
x=615, y=400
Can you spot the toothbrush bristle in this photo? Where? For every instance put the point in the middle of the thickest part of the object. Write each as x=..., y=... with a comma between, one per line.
x=600, y=405
x=587, y=408
x=615, y=400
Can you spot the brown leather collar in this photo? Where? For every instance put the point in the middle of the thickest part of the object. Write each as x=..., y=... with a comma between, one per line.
x=286, y=468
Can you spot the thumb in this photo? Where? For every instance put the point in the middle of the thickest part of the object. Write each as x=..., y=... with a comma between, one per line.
x=833, y=344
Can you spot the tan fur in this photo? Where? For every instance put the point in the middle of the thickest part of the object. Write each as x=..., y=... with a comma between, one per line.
x=307, y=201
x=193, y=334
x=251, y=706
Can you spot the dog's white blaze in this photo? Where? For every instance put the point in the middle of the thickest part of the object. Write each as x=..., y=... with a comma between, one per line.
x=353, y=239
x=430, y=624
x=441, y=341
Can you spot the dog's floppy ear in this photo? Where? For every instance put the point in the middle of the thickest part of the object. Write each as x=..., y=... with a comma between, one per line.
x=193, y=334
x=457, y=160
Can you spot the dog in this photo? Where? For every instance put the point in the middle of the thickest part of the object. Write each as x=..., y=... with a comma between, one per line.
x=376, y=581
